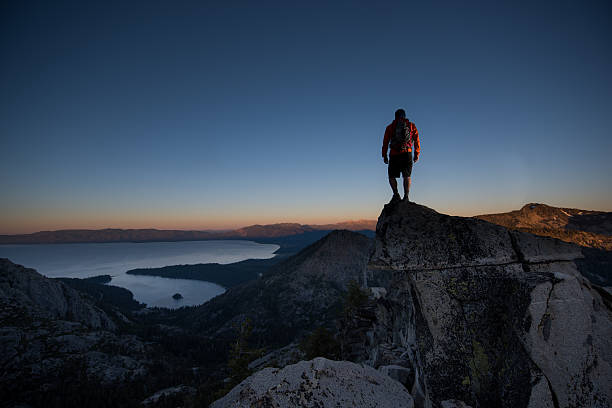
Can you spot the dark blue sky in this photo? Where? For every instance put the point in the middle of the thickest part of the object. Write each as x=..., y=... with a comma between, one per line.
x=208, y=115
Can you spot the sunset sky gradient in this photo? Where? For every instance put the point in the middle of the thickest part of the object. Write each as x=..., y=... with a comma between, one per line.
x=202, y=115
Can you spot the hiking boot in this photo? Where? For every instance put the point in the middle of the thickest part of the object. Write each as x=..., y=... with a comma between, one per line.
x=405, y=199
x=395, y=198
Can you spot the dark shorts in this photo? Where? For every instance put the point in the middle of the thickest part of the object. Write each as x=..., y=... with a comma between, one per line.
x=400, y=164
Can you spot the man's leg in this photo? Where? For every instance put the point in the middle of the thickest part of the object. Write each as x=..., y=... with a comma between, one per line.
x=393, y=183
x=406, y=187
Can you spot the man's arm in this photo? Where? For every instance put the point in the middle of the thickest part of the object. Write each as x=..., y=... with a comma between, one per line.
x=417, y=143
x=385, y=145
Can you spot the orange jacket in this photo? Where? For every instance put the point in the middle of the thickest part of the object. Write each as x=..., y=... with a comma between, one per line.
x=407, y=147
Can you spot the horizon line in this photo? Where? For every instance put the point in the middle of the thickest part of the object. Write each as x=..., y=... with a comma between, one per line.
x=194, y=230
x=227, y=229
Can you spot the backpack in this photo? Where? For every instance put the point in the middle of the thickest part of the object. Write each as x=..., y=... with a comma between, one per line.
x=401, y=135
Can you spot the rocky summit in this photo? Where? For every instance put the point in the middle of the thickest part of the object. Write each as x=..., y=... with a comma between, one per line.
x=487, y=316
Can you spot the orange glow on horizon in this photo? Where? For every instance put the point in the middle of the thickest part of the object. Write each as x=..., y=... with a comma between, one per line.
x=15, y=222
x=51, y=223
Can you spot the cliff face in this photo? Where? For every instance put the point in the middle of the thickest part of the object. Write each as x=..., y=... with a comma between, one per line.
x=486, y=315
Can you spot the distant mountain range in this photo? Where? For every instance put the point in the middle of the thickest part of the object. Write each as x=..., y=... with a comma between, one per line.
x=591, y=229
x=148, y=235
x=583, y=227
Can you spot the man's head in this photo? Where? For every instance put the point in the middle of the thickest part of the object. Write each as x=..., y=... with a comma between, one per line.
x=400, y=114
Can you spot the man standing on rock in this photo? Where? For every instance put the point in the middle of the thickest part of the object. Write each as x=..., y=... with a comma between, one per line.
x=400, y=135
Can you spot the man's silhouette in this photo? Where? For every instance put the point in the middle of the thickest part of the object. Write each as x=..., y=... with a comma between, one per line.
x=401, y=135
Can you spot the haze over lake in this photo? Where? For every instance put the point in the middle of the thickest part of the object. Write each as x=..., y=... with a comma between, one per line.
x=86, y=260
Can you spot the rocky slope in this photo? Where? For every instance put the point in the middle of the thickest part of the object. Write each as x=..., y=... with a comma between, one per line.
x=25, y=289
x=55, y=341
x=303, y=292
x=488, y=316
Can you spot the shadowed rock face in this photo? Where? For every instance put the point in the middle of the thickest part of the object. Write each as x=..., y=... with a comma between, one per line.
x=318, y=383
x=491, y=317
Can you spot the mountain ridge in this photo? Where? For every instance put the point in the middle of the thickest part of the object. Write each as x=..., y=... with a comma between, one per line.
x=586, y=228
x=297, y=294
x=156, y=235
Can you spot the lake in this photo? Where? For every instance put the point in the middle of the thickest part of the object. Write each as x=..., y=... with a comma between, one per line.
x=86, y=260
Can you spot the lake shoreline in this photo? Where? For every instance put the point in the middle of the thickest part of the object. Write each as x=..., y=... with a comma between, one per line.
x=233, y=274
x=101, y=261
x=225, y=275
x=154, y=271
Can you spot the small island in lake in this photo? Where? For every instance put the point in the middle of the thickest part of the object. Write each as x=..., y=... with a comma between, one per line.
x=177, y=296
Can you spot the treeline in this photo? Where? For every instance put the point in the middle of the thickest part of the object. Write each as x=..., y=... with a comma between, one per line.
x=107, y=297
x=228, y=275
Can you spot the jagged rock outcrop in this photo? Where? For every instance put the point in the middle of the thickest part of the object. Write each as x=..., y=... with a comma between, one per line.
x=488, y=316
x=318, y=383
